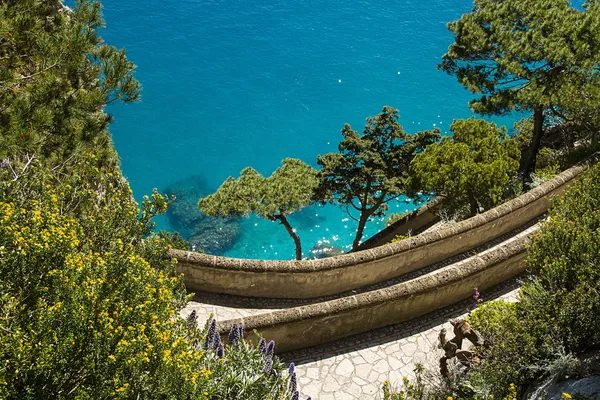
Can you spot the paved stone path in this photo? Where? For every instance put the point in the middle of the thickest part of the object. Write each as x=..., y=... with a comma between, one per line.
x=356, y=367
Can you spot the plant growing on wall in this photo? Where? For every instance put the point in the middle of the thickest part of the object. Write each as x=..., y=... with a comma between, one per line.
x=472, y=167
x=289, y=189
x=371, y=169
x=539, y=56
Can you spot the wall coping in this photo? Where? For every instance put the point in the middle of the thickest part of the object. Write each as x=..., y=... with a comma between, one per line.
x=445, y=276
x=373, y=241
x=384, y=251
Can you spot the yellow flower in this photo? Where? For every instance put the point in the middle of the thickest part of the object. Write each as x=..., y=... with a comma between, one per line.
x=566, y=396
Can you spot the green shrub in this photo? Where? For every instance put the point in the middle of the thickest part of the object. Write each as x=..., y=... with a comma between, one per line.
x=395, y=217
x=473, y=167
x=90, y=304
x=559, y=309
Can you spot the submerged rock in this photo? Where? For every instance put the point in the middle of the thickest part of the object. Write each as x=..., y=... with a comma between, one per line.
x=324, y=250
x=210, y=234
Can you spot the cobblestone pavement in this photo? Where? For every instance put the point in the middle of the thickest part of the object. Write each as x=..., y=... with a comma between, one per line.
x=356, y=367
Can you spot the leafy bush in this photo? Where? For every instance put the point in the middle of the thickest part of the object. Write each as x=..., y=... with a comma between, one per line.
x=473, y=167
x=559, y=310
x=90, y=304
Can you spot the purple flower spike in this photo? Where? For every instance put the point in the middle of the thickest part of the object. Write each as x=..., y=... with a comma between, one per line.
x=293, y=382
x=296, y=396
x=262, y=345
x=191, y=320
x=268, y=366
x=271, y=348
x=217, y=341
x=291, y=369
x=241, y=331
x=210, y=334
x=233, y=335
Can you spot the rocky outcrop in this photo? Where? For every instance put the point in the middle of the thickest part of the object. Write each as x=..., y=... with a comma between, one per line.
x=453, y=347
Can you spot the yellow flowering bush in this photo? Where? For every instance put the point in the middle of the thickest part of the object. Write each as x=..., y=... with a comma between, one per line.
x=89, y=305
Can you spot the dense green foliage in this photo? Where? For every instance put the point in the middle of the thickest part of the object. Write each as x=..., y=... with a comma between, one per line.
x=471, y=167
x=289, y=189
x=89, y=301
x=559, y=310
x=90, y=305
x=370, y=169
x=56, y=76
x=537, y=56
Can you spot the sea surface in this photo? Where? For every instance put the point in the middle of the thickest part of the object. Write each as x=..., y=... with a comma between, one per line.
x=231, y=84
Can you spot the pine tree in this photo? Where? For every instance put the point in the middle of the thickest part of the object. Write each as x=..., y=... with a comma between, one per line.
x=371, y=169
x=529, y=56
x=289, y=189
x=56, y=77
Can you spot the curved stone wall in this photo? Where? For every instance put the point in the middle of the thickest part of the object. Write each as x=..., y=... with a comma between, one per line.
x=323, y=322
x=315, y=278
x=412, y=224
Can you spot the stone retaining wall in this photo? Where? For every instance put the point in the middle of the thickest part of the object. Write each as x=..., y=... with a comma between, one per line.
x=412, y=224
x=323, y=322
x=315, y=278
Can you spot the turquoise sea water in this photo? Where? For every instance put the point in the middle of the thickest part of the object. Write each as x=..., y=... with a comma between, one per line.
x=248, y=83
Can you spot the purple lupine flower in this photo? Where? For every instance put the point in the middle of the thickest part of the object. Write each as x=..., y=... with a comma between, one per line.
x=241, y=331
x=191, y=320
x=233, y=335
x=271, y=348
x=476, y=294
x=221, y=352
x=217, y=341
x=268, y=366
x=296, y=396
x=291, y=369
x=210, y=334
x=262, y=345
x=293, y=382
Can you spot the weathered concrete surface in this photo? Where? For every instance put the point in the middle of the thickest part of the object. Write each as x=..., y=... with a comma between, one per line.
x=315, y=278
x=412, y=224
x=341, y=317
x=356, y=367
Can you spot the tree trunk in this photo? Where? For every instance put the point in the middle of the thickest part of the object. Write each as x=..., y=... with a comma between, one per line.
x=473, y=204
x=283, y=220
x=528, y=158
x=364, y=216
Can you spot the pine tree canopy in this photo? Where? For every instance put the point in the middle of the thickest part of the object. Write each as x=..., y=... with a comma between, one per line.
x=289, y=189
x=539, y=56
x=56, y=76
x=370, y=169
